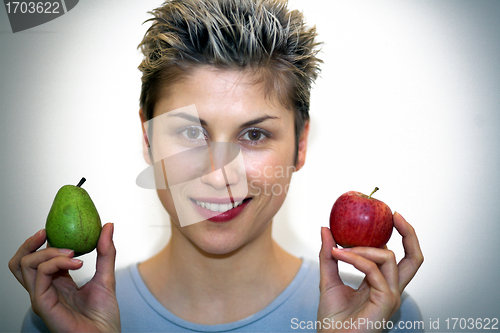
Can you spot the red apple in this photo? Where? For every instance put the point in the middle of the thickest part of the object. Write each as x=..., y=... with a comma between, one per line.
x=360, y=220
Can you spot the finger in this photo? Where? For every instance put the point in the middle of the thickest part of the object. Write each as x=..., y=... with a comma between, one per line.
x=386, y=261
x=374, y=277
x=329, y=270
x=413, y=258
x=30, y=263
x=106, y=256
x=29, y=246
x=47, y=269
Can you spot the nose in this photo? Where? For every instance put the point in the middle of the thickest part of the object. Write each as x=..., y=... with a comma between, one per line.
x=216, y=179
x=224, y=171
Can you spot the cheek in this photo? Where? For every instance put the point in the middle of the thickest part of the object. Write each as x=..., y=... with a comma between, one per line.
x=269, y=174
x=268, y=161
x=166, y=200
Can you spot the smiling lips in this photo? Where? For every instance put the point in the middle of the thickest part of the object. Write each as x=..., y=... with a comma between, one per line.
x=227, y=211
x=215, y=207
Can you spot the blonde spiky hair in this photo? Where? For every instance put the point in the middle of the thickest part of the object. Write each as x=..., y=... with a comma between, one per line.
x=259, y=35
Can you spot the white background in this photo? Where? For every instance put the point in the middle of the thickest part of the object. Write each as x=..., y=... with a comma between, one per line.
x=408, y=101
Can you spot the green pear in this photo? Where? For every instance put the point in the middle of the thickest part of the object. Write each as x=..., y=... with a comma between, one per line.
x=73, y=221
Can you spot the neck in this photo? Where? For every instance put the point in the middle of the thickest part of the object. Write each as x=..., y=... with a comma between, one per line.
x=209, y=288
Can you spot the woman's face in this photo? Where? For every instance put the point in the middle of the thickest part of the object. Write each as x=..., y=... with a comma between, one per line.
x=227, y=152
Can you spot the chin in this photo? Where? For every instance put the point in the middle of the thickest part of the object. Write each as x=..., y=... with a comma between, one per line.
x=216, y=239
x=220, y=251
x=218, y=245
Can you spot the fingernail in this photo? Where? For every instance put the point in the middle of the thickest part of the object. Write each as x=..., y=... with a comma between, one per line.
x=65, y=251
x=77, y=261
x=400, y=215
x=38, y=233
x=337, y=249
x=346, y=249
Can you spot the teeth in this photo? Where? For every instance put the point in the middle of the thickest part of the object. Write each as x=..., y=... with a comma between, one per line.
x=218, y=207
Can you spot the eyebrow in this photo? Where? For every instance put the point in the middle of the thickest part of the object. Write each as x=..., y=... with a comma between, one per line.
x=257, y=120
x=204, y=123
x=189, y=117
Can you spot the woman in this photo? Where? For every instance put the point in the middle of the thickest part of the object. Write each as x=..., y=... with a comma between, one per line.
x=224, y=108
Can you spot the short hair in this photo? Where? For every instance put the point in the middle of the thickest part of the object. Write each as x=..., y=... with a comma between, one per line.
x=258, y=35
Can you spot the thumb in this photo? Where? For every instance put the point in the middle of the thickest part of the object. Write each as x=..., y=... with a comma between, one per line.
x=106, y=255
x=328, y=266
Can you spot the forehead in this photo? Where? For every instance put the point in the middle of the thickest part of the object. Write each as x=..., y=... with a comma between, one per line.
x=214, y=89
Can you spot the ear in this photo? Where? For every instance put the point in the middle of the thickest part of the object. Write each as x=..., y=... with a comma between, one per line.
x=301, y=154
x=145, y=142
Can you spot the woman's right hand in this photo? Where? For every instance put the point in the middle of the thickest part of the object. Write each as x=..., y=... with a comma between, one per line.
x=55, y=297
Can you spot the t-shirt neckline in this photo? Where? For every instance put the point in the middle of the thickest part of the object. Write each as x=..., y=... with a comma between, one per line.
x=162, y=311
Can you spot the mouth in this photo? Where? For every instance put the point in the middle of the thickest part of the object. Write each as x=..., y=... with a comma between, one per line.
x=219, y=207
x=223, y=211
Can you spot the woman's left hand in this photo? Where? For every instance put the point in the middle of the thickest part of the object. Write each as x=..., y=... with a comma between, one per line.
x=379, y=295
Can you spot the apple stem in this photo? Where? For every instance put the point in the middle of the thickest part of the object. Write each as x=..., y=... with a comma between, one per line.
x=375, y=190
x=80, y=183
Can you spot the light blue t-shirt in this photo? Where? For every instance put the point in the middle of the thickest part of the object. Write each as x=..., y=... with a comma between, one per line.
x=294, y=310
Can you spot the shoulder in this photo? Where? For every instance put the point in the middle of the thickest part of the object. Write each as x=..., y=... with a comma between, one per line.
x=129, y=294
x=304, y=289
x=123, y=277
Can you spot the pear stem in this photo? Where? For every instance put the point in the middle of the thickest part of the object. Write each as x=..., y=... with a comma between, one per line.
x=375, y=190
x=80, y=183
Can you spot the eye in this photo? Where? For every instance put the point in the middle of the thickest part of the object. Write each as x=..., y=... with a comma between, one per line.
x=255, y=136
x=194, y=133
